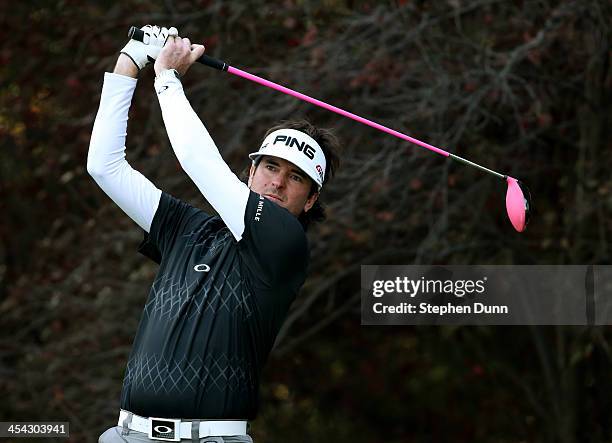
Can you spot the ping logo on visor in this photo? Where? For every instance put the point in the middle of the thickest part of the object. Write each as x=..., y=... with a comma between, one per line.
x=298, y=148
x=308, y=150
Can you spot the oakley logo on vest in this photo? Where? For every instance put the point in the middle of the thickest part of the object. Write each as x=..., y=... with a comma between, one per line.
x=201, y=268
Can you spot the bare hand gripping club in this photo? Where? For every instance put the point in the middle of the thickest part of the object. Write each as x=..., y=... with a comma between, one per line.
x=518, y=199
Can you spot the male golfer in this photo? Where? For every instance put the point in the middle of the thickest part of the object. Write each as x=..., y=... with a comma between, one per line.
x=224, y=284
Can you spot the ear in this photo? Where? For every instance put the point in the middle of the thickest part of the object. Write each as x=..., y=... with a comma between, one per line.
x=311, y=201
x=251, y=173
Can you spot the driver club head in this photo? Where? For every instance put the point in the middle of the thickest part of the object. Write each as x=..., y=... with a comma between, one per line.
x=518, y=204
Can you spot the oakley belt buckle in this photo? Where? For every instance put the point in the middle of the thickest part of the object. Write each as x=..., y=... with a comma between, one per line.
x=165, y=429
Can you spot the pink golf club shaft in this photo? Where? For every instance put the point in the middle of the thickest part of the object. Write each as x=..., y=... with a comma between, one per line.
x=365, y=121
x=314, y=101
x=138, y=34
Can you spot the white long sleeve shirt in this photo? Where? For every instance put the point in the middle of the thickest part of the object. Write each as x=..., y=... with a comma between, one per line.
x=192, y=144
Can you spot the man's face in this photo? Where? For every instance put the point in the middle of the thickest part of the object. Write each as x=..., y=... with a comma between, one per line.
x=283, y=183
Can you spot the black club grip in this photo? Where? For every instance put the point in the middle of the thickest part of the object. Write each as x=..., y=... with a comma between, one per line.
x=138, y=34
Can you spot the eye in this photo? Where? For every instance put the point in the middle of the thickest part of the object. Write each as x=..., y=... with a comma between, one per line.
x=270, y=167
x=297, y=178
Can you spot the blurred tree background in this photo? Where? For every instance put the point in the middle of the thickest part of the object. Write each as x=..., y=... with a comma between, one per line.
x=522, y=87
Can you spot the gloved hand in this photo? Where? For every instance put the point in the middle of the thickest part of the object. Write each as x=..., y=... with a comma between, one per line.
x=145, y=52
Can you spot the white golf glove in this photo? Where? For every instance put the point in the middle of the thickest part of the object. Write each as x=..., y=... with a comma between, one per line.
x=145, y=52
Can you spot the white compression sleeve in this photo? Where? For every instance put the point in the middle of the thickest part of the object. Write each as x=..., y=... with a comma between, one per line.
x=198, y=155
x=106, y=163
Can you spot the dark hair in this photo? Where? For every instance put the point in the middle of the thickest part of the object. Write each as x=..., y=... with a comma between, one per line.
x=331, y=147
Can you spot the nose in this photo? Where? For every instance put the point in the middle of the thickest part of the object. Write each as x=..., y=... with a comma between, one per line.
x=278, y=181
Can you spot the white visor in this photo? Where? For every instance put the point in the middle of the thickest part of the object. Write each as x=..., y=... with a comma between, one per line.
x=298, y=148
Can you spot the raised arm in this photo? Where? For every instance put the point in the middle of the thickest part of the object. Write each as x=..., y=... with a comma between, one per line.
x=192, y=144
x=106, y=162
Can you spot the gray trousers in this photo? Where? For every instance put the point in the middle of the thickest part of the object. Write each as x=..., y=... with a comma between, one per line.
x=121, y=434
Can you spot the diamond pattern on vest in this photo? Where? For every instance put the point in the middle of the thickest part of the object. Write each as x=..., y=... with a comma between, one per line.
x=220, y=291
x=202, y=238
x=169, y=296
x=224, y=292
x=154, y=373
